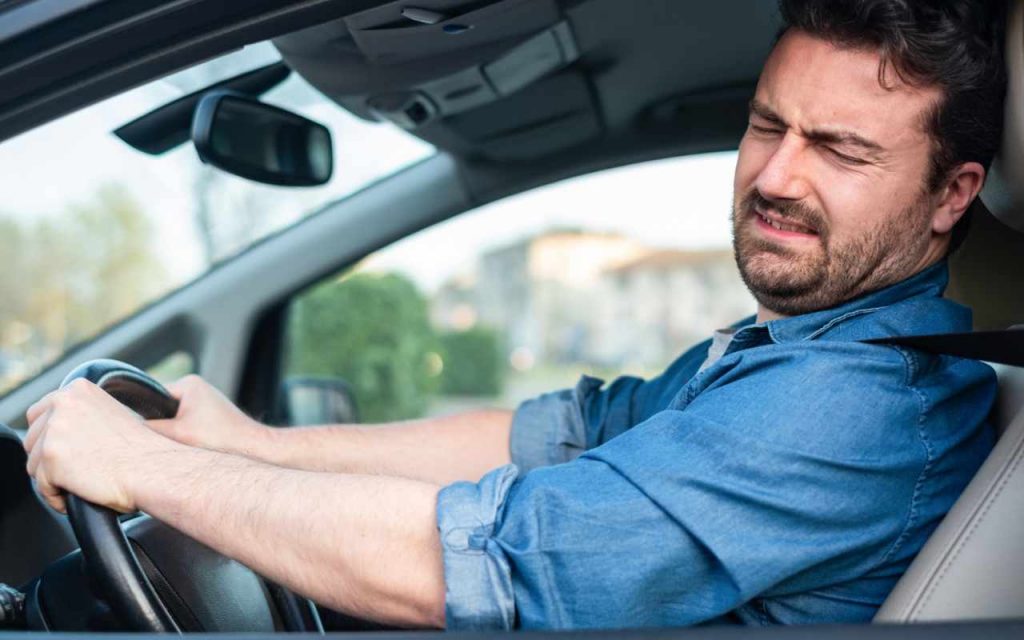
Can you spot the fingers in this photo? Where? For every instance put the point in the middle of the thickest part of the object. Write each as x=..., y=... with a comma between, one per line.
x=176, y=389
x=36, y=428
x=163, y=427
x=53, y=495
x=181, y=386
x=82, y=441
x=48, y=490
x=39, y=407
x=34, y=456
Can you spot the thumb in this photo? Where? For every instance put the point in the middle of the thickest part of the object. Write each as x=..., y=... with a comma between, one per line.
x=164, y=427
x=176, y=389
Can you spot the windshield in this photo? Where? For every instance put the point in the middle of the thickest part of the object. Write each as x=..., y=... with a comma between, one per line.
x=92, y=229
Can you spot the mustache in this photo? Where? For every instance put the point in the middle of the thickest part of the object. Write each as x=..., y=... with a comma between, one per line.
x=797, y=212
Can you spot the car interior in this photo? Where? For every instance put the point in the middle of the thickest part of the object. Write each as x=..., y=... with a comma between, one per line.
x=514, y=94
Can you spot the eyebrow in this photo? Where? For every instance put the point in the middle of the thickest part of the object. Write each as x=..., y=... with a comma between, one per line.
x=839, y=136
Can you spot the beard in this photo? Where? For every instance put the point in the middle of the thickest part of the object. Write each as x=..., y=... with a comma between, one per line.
x=791, y=281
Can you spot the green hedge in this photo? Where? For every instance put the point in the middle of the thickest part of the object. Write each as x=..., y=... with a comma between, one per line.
x=473, y=363
x=373, y=331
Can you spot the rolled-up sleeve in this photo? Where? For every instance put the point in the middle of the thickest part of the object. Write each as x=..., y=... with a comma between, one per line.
x=478, y=581
x=551, y=428
x=557, y=427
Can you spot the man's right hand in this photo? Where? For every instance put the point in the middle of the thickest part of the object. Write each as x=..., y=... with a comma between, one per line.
x=207, y=419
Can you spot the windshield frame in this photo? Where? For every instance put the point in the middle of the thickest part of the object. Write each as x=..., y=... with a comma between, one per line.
x=56, y=60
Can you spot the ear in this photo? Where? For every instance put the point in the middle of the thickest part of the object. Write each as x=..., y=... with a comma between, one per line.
x=960, y=191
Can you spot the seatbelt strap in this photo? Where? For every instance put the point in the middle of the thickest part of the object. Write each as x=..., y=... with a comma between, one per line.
x=1004, y=347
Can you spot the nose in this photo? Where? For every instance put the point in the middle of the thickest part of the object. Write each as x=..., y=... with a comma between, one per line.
x=784, y=176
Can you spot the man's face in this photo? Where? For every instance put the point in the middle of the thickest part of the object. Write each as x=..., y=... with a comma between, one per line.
x=840, y=163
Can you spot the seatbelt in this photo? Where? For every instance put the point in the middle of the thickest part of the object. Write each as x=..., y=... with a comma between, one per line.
x=1004, y=347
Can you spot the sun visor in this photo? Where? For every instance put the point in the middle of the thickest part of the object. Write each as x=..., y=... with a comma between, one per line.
x=1004, y=191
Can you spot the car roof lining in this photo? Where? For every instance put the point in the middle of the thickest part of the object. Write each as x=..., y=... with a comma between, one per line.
x=633, y=59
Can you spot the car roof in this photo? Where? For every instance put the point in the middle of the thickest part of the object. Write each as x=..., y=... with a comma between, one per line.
x=643, y=69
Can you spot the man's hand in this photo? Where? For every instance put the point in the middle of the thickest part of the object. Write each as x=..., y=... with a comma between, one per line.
x=366, y=545
x=83, y=441
x=209, y=420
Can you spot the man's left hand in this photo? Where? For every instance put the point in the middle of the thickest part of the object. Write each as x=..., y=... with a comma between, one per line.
x=83, y=441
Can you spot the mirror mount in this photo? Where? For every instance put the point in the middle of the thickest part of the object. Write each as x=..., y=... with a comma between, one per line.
x=261, y=142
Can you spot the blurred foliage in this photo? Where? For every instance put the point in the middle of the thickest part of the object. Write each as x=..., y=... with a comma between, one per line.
x=172, y=367
x=473, y=363
x=373, y=332
x=70, y=275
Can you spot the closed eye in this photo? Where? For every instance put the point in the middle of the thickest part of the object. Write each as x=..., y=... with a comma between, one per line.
x=842, y=157
x=765, y=130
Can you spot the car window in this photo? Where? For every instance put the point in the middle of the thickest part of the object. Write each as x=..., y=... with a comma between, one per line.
x=611, y=273
x=92, y=230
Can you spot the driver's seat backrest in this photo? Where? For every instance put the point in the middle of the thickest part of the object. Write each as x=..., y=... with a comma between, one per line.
x=973, y=565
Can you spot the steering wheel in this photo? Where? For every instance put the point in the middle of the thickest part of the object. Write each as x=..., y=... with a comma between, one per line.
x=155, y=578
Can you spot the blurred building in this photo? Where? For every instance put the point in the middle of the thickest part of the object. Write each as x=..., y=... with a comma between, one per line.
x=569, y=296
x=658, y=305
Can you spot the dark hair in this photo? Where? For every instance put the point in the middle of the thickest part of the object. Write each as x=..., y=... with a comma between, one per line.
x=956, y=45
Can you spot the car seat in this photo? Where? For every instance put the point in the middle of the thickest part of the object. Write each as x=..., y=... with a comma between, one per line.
x=973, y=565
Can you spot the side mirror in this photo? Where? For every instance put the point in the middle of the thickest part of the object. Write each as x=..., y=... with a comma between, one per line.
x=254, y=140
x=308, y=400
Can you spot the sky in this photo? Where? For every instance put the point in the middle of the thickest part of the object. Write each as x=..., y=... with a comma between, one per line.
x=675, y=203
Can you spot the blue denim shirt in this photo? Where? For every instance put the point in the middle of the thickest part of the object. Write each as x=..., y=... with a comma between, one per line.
x=790, y=482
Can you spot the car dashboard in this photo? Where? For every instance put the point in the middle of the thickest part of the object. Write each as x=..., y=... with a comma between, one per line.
x=33, y=537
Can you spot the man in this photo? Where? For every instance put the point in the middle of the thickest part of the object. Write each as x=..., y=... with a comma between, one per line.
x=785, y=472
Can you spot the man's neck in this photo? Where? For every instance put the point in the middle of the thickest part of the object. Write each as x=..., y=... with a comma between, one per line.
x=765, y=314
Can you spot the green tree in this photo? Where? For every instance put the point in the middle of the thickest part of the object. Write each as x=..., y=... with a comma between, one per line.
x=72, y=274
x=473, y=363
x=372, y=331
x=91, y=267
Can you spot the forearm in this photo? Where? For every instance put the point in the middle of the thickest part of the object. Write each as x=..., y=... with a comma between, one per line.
x=437, y=450
x=365, y=545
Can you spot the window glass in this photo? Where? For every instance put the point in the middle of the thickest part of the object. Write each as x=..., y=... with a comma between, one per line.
x=612, y=273
x=92, y=229
x=173, y=366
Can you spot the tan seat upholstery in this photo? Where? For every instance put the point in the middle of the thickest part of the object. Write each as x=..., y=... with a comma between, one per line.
x=973, y=565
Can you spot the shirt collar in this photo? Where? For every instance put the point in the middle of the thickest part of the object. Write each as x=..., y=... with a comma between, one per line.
x=930, y=282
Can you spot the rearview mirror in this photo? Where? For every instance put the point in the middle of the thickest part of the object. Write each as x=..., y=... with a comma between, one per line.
x=254, y=140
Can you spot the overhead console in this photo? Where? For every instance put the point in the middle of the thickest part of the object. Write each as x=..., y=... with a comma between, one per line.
x=475, y=86
x=437, y=67
x=397, y=32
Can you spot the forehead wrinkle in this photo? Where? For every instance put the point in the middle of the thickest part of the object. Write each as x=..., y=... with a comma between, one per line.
x=845, y=137
x=824, y=134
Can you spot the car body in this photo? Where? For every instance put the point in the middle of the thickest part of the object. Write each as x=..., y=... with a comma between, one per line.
x=636, y=82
